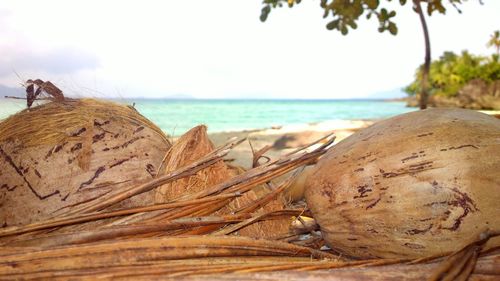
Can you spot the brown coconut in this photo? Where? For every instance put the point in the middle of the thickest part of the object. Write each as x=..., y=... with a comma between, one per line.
x=418, y=184
x=192, y=146
x=64, y=153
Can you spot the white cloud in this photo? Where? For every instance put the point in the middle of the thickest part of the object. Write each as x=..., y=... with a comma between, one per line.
x=57, y=61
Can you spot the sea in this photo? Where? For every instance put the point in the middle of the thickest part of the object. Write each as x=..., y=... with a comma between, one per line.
x=176, y=116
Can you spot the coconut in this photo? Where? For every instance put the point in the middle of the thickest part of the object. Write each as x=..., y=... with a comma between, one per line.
x=63, y=153
x=190, y=147
x=418, y=184
x=296, y=190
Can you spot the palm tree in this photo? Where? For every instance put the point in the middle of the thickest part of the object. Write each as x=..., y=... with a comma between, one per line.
x=495, y=41
x=424, y=94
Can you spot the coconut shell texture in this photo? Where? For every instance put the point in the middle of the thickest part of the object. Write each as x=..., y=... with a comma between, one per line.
x=418, y=184
x=191, y=146
x=61, y=154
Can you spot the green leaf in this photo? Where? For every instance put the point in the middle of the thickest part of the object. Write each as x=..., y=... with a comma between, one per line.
x=334, y=24
x=325, y=14
x=393, y=29
x=372, y=4
x=264, y=13
x=383, y=13
x=430, y=9
x=344, y=30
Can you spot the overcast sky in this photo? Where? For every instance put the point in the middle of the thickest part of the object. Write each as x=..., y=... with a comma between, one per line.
x=220, y=49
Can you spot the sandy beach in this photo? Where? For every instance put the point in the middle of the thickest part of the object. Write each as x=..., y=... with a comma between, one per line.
x=284, y=138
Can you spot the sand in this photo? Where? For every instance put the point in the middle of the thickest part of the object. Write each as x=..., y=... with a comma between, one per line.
x=284, y=139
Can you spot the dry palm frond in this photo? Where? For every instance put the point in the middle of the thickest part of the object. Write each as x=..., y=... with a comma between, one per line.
x=150, y=249
x=459, y=265
x=230, y=258
x=81, y=218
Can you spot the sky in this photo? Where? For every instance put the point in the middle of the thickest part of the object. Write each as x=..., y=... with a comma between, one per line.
x=220, y=49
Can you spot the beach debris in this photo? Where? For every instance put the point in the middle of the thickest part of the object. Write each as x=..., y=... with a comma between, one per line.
x=37, y=87
x=257, y=155
x=418, y=184
x=58, y=155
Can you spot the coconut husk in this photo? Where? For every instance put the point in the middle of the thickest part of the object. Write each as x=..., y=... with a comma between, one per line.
x=190, y=147
x=261, y=199
x=295, y=192
x=269, y=229
x=62, y=153
x=417, y=184
x=195, y=144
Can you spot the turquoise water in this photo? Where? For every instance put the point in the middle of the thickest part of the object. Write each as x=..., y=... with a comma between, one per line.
x=177, y=116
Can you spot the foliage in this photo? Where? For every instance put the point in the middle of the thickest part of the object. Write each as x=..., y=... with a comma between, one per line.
x=495, y=42
x=451, y=71
x=346, y=13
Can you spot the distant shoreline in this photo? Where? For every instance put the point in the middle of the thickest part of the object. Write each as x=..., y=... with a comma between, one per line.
x=234, y=115
x=194, y=99
x=259, y=99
